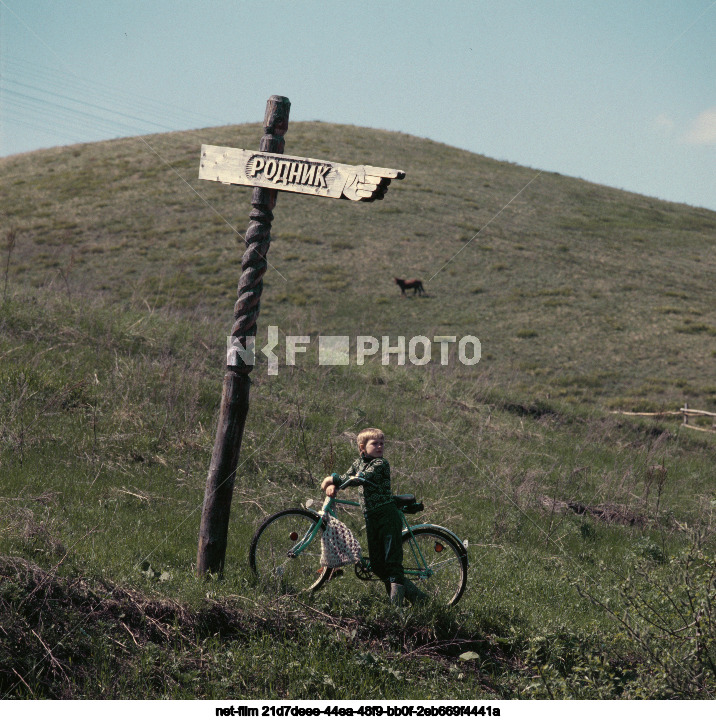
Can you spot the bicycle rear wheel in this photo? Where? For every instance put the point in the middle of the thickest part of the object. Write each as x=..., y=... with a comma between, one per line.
x=443, y=575
x=273, y=557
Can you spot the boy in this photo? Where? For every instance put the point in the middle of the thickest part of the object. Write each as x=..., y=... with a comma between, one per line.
x=383, y=524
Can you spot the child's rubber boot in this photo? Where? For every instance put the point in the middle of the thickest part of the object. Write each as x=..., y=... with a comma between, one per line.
x=397, y=592
x=414, y=594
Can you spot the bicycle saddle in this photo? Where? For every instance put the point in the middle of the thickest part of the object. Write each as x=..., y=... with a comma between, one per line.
x=404, y=498
x=407, y=503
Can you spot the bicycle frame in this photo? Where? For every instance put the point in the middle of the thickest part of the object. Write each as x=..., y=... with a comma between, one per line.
x=423, y=570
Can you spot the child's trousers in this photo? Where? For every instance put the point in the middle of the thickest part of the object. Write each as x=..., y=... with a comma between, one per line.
x=385, y=545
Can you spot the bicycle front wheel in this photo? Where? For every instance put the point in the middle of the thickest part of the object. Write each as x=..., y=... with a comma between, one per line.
x=436, y=564
x=281, y=557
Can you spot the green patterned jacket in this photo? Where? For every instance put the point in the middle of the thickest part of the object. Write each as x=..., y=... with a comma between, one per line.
x=376, y=471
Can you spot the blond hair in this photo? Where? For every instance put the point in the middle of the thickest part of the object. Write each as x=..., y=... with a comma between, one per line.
x=369, y=434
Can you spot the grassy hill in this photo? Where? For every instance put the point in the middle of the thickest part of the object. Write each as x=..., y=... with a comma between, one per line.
x=574, y=289
x=119, y=276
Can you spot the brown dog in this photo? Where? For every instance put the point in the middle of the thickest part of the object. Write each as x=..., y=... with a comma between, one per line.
x=414, y=283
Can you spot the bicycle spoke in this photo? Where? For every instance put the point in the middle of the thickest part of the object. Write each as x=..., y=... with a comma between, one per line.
x=433, y=562
x=279, y=556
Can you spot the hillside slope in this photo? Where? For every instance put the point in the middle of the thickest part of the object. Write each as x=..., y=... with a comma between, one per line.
x=574, y=289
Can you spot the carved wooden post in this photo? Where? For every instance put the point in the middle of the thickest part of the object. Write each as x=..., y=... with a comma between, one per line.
x=214, y=528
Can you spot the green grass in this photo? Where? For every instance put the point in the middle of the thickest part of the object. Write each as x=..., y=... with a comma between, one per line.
x=118, y=287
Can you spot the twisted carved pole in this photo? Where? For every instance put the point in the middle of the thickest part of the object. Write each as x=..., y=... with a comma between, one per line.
x=214, y=528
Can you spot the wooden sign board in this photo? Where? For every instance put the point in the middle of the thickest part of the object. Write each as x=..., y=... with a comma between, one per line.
x=325, y=178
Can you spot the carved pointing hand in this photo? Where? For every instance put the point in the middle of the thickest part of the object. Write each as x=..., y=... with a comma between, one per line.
x=369, y=183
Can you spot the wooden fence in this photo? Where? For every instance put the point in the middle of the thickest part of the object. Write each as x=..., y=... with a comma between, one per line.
x=686, y=413
x=693, y=413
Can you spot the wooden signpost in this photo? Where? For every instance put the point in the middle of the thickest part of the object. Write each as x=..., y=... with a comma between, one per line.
x=268, y=171
x=297, y=175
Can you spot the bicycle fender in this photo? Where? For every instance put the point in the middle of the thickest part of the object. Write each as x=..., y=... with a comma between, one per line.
x=447, y=531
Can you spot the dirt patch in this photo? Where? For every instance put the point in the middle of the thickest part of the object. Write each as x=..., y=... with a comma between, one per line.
x=607, y=512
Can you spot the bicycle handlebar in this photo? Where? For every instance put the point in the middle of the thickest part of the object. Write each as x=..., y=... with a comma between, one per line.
x=352, y=481
x=355, y=481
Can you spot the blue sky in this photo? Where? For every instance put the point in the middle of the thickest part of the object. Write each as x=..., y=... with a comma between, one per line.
x=621, y=93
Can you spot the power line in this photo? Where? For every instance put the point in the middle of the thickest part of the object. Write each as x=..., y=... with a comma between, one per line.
x=58, y=79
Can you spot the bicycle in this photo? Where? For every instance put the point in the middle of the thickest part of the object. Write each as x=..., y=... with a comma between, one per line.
x=285, y=552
